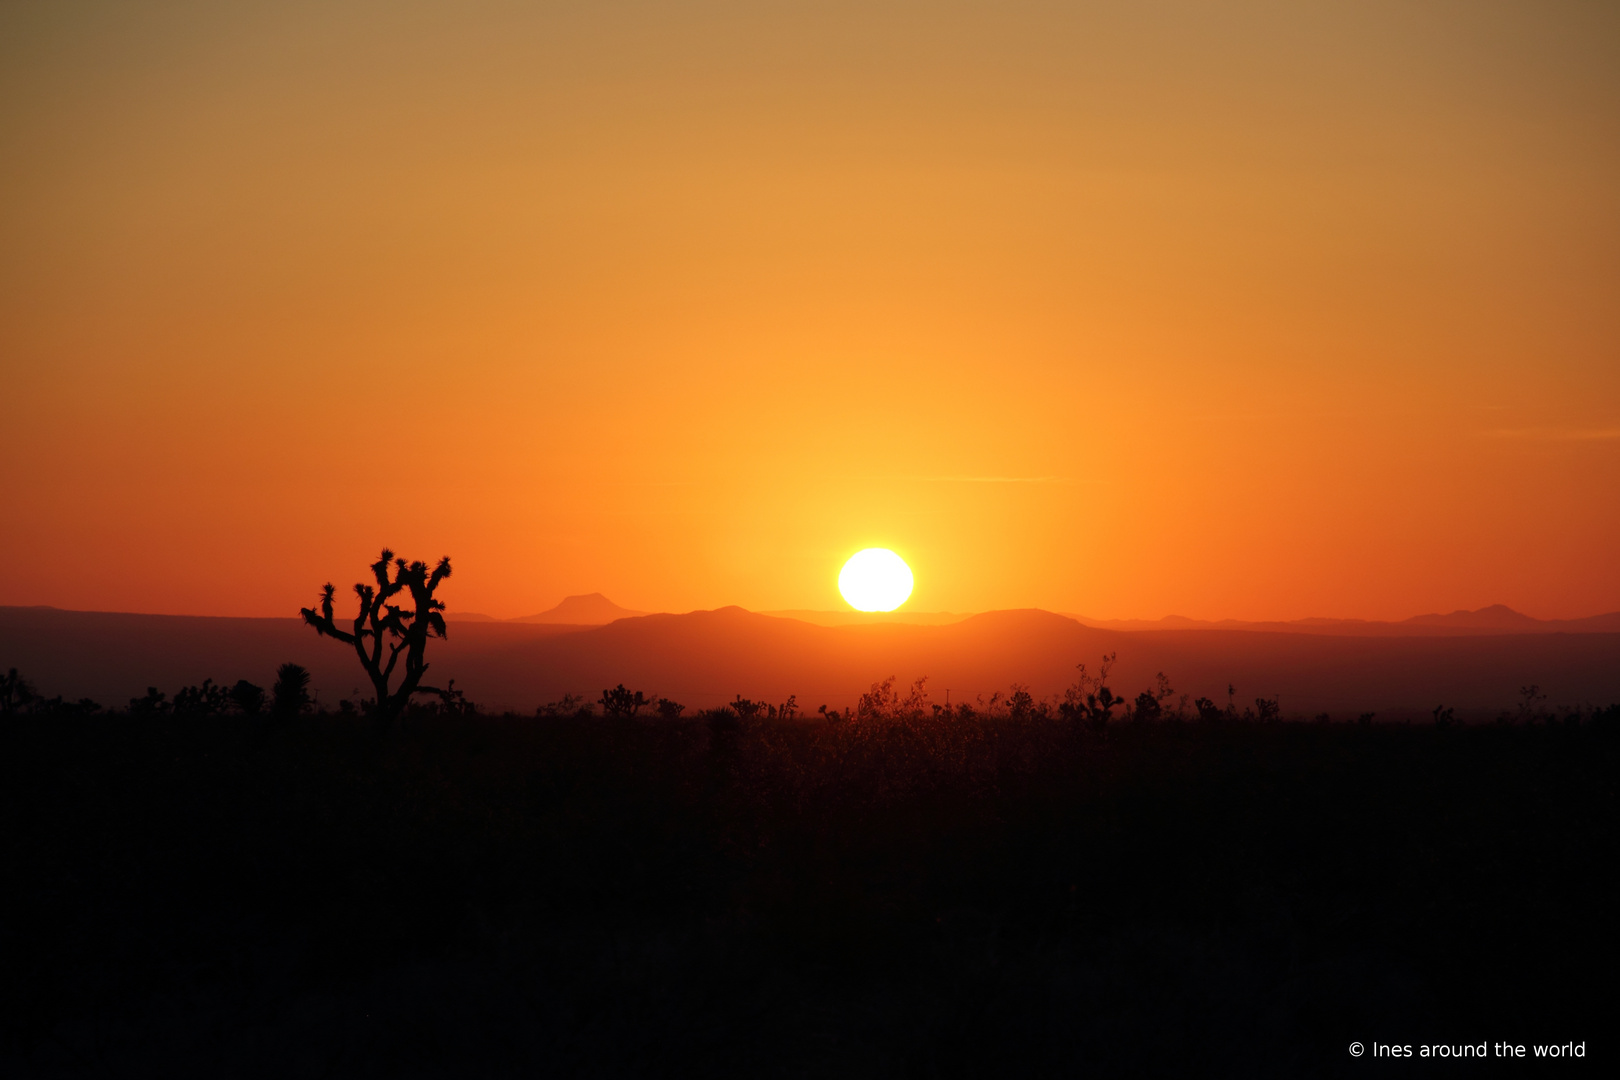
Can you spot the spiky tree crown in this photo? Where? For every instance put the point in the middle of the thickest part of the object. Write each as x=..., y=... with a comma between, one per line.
x=407, y=625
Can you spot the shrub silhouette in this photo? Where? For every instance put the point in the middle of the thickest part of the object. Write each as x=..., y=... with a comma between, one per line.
x=1208, y=711
x=667, y=709
x=883, y=702
x=452, y=702
x=879, y=702
x=153, y=704
x=621, y=702
x=1149, y=704
x=290, y=695
x=571, y=705
x=406, y=628
x=1532, y=704
x=1090, y=699
x=57, y=707
x=17, y=696
x=204, y=700
x=247, y=697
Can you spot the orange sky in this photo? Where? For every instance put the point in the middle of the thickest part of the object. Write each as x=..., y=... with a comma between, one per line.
x=1250, y=310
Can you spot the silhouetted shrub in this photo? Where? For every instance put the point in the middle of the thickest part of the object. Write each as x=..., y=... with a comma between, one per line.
x=721, y=722
x=452, y=702
x=1532, y=704
x=667, y=709
x=1149, y=704
x=290, y=695
x=569, y=705
x=153, y=704
x=247, y=697
x=1267, y=710
x=884, y=702
x=1090, y=699
x=879, y=702
x=204, y=700
x=1208, y=711
x=57, y=707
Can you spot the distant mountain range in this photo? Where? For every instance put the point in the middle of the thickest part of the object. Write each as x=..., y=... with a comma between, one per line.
x=1496, y=619
x=587, y=609
x=704, y=658
x=850, y=617
x=594, y=609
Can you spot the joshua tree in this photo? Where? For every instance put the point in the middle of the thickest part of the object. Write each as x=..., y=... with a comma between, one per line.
x=621, y=702
x=406, y=629
x=746, y=709
x=15, y=693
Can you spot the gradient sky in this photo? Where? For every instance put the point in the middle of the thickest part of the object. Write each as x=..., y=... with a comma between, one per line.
x=1253, y=310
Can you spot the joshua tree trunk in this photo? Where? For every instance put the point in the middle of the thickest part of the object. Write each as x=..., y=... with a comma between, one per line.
x=406, y=629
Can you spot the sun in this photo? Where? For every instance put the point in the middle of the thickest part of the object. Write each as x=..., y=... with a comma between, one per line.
x=875, y=579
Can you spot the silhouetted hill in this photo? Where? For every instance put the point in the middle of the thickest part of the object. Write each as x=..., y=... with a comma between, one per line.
x=851, y=617
x=1496, y=619
x=704, y=658
x=590, y=609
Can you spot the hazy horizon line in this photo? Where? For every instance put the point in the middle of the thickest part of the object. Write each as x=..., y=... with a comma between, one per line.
x=452, y=614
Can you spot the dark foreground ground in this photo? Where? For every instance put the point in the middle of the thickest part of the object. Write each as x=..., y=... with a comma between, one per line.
x=522, y=897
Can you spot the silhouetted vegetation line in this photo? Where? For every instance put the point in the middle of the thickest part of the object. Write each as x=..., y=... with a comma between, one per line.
x=1005, y=893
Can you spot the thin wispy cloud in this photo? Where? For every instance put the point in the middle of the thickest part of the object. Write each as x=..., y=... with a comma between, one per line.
x=1550, y=434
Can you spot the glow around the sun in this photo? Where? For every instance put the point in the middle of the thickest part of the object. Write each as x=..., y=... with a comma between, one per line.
x=875, y=579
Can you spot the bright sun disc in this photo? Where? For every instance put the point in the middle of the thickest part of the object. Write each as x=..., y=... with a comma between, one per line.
x=875, y=579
